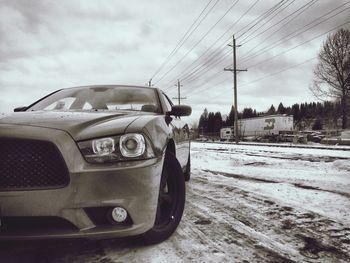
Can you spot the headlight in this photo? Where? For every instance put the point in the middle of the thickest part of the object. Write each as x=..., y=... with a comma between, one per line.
x=132, y=146
x=103, y=146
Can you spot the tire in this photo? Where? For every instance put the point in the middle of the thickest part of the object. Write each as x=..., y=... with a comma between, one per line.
x=187, y=172
x=171, y=202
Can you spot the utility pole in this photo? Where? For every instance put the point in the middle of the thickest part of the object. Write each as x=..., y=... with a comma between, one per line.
x=150, y=83
x=234, y=70
x=179, y=98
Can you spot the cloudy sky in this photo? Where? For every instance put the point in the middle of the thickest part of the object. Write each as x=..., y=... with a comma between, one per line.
x=47, y=45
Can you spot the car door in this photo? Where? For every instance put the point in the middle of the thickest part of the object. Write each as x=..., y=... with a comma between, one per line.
x=181, y=134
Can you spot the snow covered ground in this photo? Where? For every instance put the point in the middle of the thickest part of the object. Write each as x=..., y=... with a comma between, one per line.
x=245, y=203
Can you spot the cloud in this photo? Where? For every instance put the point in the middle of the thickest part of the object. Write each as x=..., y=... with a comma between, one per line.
x=30, y=14
x=47, y=45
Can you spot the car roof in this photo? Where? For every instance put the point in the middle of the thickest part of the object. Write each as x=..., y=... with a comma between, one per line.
x=111, y=86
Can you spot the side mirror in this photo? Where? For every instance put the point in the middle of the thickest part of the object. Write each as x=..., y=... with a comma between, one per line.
x=20, y=109
x=181, y=110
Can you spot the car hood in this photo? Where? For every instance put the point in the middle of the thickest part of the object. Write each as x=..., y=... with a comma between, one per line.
x=80, y=125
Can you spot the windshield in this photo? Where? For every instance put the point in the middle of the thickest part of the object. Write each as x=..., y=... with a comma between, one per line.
x=101, y=98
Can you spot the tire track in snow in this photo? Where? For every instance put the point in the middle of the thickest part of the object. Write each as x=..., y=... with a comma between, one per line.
x=274, y=154
x=298, y=185
x=234, y=230
x=311, y=236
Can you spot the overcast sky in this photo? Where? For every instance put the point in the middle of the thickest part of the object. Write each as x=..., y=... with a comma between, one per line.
x=48, y=45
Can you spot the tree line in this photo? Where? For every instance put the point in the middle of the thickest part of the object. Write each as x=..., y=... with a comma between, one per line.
x=314, y=115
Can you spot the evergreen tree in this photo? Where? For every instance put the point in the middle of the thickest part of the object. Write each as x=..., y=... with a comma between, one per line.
x=247, y=113
x=205, y=113
x=203, y=122
x=210, y=122
x=231, y=117
x=328, y=109
x=319, y=110
x=217, y=125
x=296, y=112
x=288, y=111
x=317, y=125
x=302, y=111
x=281, y=109
x=272, y=110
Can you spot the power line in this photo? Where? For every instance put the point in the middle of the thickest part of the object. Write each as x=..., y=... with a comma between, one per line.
x=254, y=22
x=272, y=11
x=302, y=9
x=264, y=61
x=294, y=34
x=201, y=70
x=217, y=40
x=200, y=91
x=267, y=21
x=205, y=81
x=278, y=72
x=197, y=89
x=200, y=40
x=205, y=16
x=303, y=43
x=270, y=75
x=298, y=45
x=182, y=40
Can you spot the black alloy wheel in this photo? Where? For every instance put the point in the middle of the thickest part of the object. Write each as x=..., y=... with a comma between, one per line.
x=171, y=202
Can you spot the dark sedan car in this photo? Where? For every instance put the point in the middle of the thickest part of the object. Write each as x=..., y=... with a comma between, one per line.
x=94, y=162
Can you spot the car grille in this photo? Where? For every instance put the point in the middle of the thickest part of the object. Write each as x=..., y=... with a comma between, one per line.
x=34, y=224
x=31, y=165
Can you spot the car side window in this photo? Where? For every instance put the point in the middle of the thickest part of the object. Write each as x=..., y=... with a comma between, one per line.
x=168, y=103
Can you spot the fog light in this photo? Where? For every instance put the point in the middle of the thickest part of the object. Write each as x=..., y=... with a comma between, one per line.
x=119, y=214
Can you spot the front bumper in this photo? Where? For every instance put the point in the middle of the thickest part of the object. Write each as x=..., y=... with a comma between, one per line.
x=131, y=185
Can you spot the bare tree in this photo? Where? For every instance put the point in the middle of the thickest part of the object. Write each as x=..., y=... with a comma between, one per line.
x=332, y=73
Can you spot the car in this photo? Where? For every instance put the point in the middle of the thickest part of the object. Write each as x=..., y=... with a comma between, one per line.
x=101, y=161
